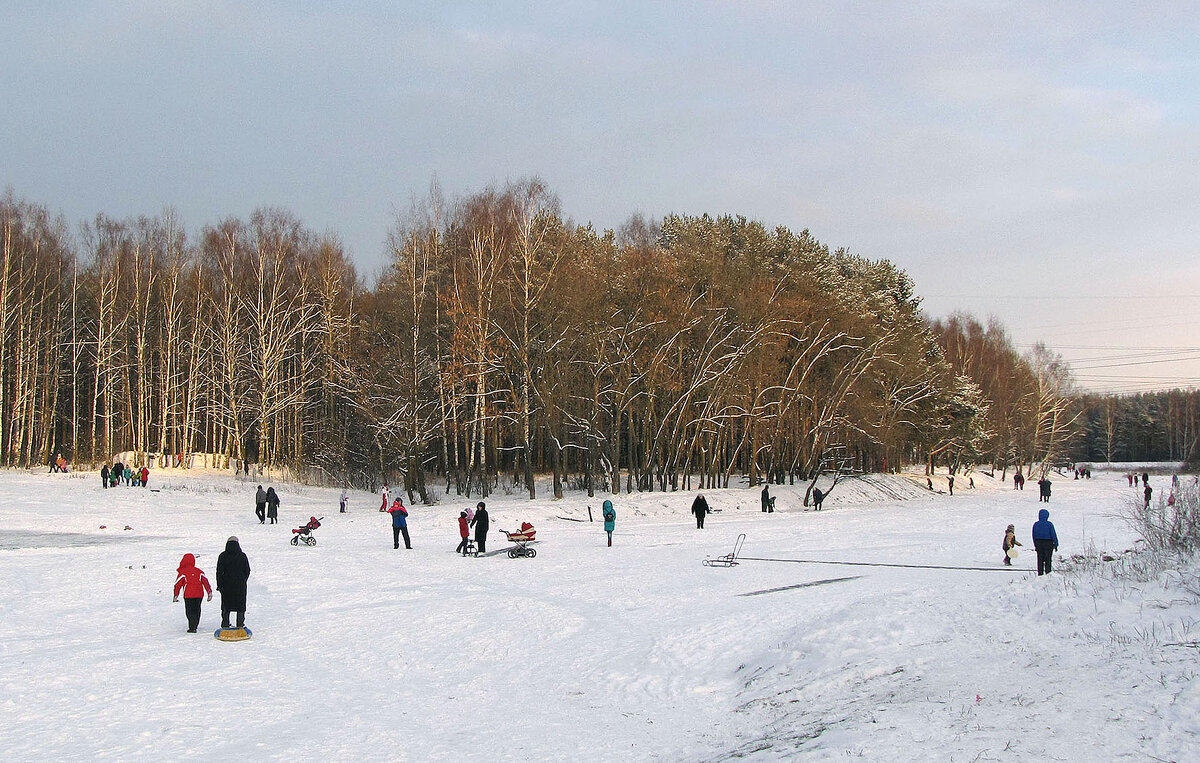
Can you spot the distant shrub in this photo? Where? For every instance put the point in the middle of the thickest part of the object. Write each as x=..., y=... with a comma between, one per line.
x=1168, y=524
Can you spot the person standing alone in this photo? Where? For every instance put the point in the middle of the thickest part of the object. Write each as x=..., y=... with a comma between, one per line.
x=399, y=524
x=700, y=509
x=610, y=520
x=1045, y=540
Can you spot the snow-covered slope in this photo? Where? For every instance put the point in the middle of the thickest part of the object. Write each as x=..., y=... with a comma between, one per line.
x=362, y=652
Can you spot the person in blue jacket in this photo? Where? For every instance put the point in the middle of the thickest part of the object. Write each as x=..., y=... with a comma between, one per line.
x=610, y=520
x=1045, y=540
x=399, y=524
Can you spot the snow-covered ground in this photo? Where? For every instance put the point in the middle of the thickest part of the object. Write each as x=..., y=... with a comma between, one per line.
x=635, y=652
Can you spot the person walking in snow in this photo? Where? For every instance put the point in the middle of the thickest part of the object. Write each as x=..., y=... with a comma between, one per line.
x=127, y=476
x=1045, y=541
x=194, y=584
x=464, y=532
x=233, y=570
x=272, y=505
x=145, y=476
x=260, y=505
x=104, y=476
x=768, y=503
x=480, y=522
x=1044, y=490
x=700, y=509
x=1149, y=491
x=610, y=519
x=950, y=482
x=818, y=498
x=387, y=497
x=1010, y=540
x=343, y=499
x=399, y=524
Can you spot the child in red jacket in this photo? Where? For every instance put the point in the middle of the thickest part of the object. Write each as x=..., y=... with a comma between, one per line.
x=194, y=585
x=464, y=531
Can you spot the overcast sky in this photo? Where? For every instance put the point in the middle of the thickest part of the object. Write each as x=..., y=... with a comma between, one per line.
x=1037, y=162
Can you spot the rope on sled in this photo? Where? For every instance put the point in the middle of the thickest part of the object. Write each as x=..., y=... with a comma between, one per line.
x=883, y=564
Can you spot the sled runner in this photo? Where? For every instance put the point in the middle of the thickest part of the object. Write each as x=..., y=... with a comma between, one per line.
x=232, y=634
x=728, y=560
x=522, y=538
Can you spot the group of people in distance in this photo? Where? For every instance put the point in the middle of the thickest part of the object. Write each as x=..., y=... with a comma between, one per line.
x=58, y=464
x=233, y=570
x=266, y=505
x=123, y=473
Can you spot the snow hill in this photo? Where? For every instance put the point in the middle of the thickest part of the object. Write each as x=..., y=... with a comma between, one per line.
x=635, y=652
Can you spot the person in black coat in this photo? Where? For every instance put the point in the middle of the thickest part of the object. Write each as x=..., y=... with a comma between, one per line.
x=260, y=505
x=768, y=503
x=480, y=523
x=233, y=568
x=272, y=506
x=818, y=497
x=104, y=476
x=700, y=509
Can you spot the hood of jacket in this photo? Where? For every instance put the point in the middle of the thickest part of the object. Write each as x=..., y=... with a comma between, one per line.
x=232, y=546
x=1043, y=515
x=186, y=563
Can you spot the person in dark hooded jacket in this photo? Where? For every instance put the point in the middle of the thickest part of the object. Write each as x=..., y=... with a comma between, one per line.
x=480, y=522
x=233, y=569
x=1045, y=540
x=700, y=509
x=272, y=505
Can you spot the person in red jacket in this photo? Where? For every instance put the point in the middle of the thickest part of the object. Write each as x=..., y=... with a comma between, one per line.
x=194, y=585
x=145, y=475
x=464, y=531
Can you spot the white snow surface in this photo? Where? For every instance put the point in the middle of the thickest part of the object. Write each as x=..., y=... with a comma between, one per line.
x=635, y=652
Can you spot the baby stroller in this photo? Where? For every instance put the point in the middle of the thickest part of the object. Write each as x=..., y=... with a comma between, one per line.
x=304, y=534
x=522, y=538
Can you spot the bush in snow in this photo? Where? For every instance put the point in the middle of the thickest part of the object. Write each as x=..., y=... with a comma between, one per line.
x=1170, y=524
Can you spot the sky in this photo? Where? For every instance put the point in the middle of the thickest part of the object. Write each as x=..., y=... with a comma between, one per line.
x=1034, y=162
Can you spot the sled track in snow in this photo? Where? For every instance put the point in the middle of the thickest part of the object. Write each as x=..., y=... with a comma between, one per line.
x=884, y=564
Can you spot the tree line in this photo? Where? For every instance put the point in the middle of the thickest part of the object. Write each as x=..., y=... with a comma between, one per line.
x=501, y=342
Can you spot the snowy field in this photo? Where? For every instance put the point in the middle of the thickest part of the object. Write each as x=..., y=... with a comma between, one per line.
x=635, y=652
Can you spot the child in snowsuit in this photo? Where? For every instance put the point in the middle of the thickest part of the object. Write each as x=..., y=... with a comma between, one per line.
x=610, y=519
x=194, y=585
x=1010, y=540
x=1045, y=540
x=464, y=532
x=399, y=524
